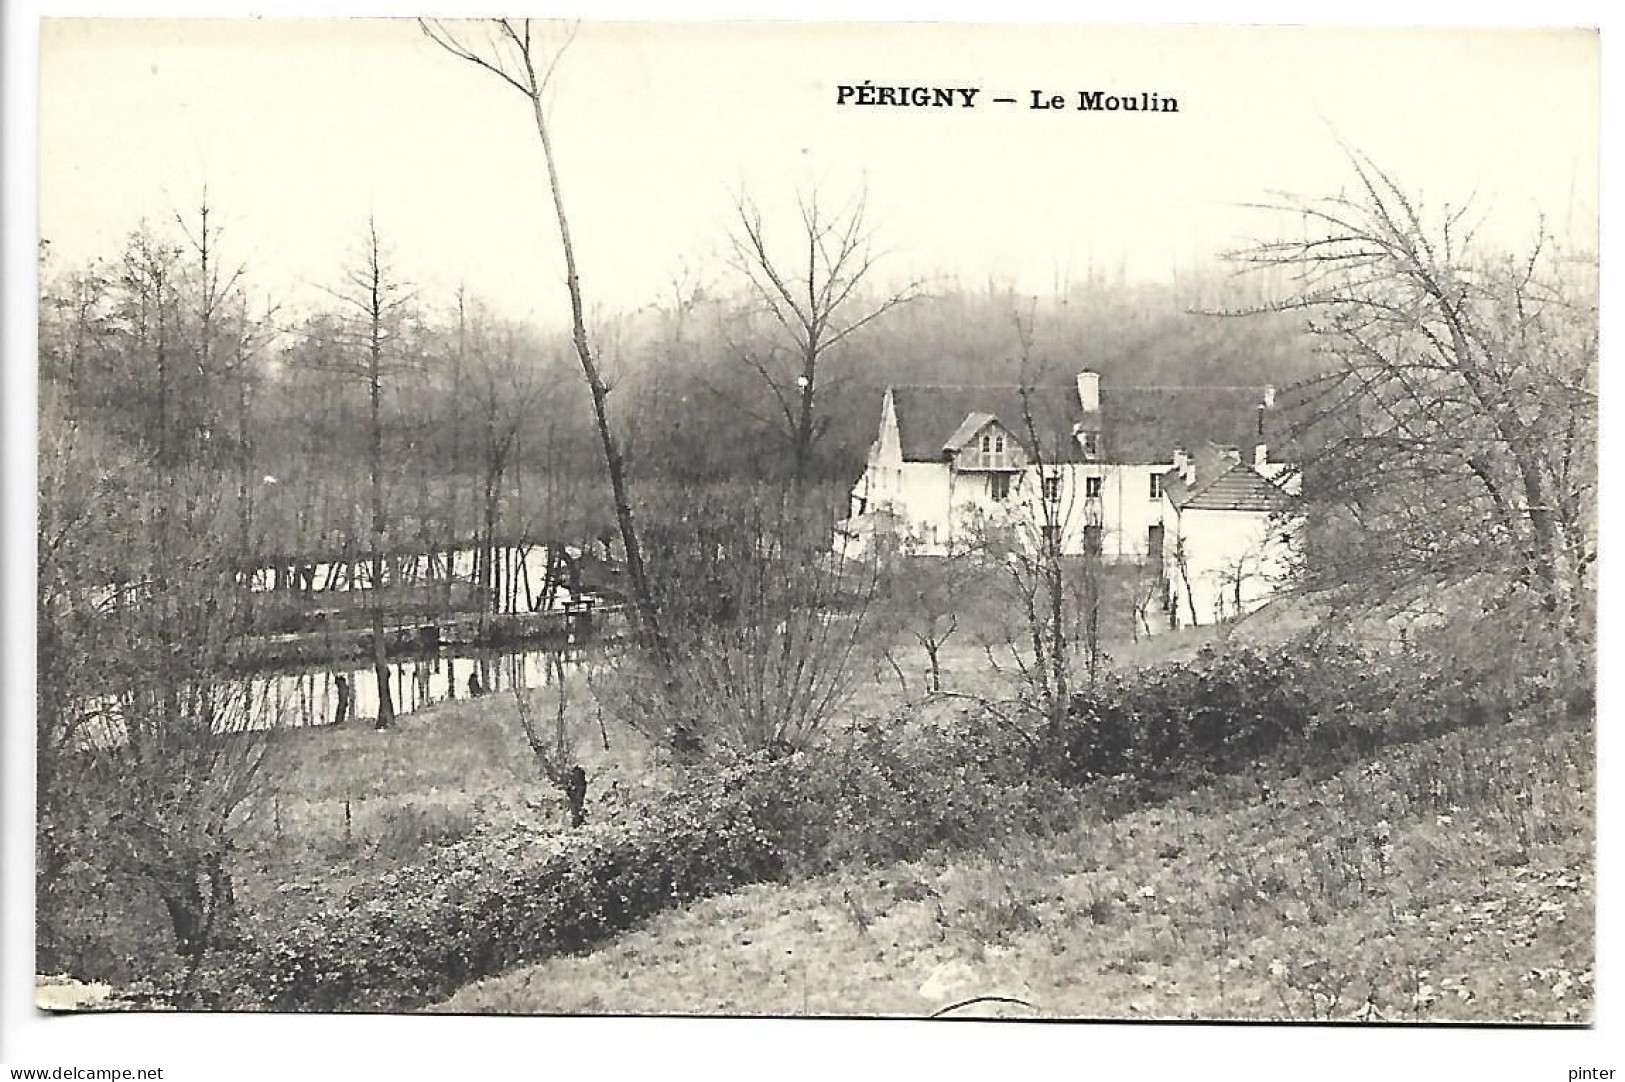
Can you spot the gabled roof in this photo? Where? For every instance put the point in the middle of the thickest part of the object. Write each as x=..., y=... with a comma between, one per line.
x=1145, y=424
x=929, y=418
x=1137, y=425
x=1223, y=484
x=974, y=423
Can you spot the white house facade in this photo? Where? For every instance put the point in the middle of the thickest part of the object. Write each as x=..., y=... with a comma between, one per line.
x=948, y=458
x=1230, y=535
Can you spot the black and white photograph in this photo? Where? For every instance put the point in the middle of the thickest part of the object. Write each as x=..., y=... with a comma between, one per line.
x=1016, y=522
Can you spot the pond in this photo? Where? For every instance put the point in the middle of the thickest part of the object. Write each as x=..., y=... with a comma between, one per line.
x=310, y=696
x=298, y=697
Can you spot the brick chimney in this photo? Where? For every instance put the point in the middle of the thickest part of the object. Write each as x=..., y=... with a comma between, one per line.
x=1261, y=456
x=1269, y=396
x=1089, y=391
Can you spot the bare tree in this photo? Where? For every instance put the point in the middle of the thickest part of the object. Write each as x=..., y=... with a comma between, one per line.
x=931, y=598
x=1059, y=593
x=224, y=342
x=148, y=314
x=556, y=756
x=767, y=617
x=1455, y=433
x=77, y=567
x=815, y=299
x=214, y=288
x=506, y=49
x=377, y=301
x=1145, y=586
x=506, y=388
x=186, y=744
x=1182, y=564
x=148, y=747
x=459, y=366
x=249, y=338
x=75, y=317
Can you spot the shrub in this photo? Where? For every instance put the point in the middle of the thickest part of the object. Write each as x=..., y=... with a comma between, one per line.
x=412, y=826
x=876, y=794
x=765, y=621
x=489, y=902
x=1230, y=708
x=895, y=793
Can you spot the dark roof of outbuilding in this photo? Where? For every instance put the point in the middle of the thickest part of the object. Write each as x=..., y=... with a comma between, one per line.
x=1223, y=484
x=1137, y=425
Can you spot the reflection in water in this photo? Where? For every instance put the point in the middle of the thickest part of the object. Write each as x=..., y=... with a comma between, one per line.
x=311, y=696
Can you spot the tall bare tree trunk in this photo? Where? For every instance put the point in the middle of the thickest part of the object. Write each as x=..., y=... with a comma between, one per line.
x=165, y=435
x=375, y=432
x=456, y=443
x=637, y=574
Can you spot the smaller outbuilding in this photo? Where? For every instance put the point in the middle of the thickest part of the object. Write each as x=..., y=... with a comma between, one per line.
x=1230, y=533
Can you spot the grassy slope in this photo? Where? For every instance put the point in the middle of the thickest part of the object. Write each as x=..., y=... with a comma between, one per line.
x=439, y=774
x=1238, y=882
x=1450, y=880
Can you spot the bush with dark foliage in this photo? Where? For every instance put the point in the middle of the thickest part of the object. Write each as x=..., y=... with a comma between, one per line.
x=873, y=795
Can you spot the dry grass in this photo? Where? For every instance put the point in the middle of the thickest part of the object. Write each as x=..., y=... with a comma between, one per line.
x=1450, y=880
x=347, y=803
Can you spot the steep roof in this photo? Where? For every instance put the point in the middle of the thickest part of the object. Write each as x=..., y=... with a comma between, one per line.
x=1137, y=425
x=1145, y=424
x=974, y=423
x=929, y=417
x=1223, y=484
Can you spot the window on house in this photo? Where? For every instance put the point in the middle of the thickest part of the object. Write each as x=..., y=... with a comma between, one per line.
x=998, y=485
x=1052, y=489
x=1156, y=486
x=987, y=443
x=1091, y=444
x=1092, y=487
x=998, y=445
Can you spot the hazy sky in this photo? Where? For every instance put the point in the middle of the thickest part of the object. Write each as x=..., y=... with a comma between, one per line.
x=301, y=128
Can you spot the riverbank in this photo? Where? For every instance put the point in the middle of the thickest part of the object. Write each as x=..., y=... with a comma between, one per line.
x=344, y=804
x=570, y=626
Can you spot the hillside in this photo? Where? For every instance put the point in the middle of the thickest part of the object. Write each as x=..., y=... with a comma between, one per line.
x=1450, y=880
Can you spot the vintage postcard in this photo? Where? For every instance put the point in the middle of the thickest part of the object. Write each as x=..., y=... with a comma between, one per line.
x=896, y=520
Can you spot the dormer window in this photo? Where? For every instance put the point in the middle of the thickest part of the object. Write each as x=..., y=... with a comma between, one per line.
x=1091, y=444
x=981, y=443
